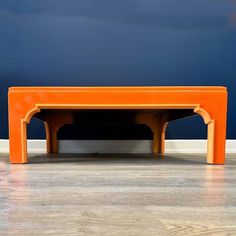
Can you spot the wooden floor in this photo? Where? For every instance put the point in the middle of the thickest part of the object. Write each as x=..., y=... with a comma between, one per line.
x=117, y=195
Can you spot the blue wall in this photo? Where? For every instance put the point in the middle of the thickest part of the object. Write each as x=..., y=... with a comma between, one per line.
x=119, y=42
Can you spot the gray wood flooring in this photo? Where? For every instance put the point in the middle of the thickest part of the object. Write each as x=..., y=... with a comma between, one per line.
x=117, y=195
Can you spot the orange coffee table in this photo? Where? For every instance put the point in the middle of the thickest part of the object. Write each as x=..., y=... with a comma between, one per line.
x=153, y=106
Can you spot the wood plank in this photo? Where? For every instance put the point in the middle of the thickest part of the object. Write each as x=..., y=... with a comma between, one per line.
x=117, y=195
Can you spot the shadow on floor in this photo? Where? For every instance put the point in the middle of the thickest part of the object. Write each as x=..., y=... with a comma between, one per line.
x=101, y=159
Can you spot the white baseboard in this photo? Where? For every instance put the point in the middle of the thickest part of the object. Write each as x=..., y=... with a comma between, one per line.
x=119, y=146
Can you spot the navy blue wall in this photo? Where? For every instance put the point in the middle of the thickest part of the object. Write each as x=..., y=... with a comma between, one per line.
x=119, y=42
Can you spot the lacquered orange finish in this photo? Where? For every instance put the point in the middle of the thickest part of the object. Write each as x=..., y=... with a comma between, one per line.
x=156, y=105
